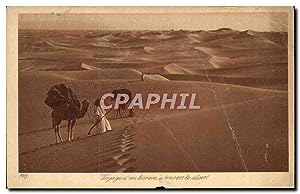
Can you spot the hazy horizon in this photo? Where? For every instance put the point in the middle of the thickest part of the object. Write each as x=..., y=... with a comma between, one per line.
x=156, y=21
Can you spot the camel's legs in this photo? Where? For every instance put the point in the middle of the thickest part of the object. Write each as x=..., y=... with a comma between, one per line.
x=58, y=133
x=118, y=112
x=124, y=112
x=72, y=128
x=69, y=129
x=55, y=132
x=121, y=112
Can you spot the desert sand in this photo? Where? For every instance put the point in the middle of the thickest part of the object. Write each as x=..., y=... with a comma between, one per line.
x=240, y=79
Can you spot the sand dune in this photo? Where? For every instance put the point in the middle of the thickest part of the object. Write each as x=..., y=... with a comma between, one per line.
x=113, y=154
x=123, y=151
x=98, y=47
x=247, y=35
x=280, y=38
x=102, y=44
x=155, y=77
x=66, y=47
x=218, y=62
x=238, y=77
x=200, y=146
x=194, y=38
x=222, y=30
x=58, y=44
x=263, y=80
x=37, y=114
x=149, y=49
x=124, y=73
x=241, y=40
x=203, y=36
x=176, y=69
x=171, y=68
x=156, y=37
x=157, y=132
x=110, y=38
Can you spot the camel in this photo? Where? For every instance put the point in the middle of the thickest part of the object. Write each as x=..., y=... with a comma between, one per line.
x=71, y=115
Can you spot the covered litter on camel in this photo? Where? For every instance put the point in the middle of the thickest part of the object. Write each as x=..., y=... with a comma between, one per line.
x=62, y=96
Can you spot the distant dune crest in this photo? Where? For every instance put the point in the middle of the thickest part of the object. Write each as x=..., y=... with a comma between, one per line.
x=176, y=69
x=125, y=54
x=126, y=73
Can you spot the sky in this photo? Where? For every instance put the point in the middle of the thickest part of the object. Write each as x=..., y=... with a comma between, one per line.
x=155, y=21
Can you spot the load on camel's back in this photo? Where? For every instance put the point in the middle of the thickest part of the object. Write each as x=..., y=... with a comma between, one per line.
x=62, y=97
x=66, y=106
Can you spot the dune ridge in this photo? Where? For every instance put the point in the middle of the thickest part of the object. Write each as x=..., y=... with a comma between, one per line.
x=176, y=69
x=123, y=73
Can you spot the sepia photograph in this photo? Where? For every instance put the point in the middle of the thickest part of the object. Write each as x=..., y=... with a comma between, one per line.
x=156, y=96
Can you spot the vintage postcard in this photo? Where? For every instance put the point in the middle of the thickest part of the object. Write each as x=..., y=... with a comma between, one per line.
x=146, y=97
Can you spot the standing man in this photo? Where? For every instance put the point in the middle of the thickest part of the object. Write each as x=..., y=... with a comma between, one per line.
x=103, y=124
